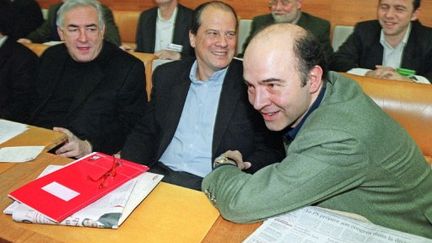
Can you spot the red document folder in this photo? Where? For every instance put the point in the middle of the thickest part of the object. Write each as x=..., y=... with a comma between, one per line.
x=65, y=191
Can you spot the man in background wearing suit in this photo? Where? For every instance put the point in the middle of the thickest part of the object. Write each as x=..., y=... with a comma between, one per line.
x=199, y=108
x=18, y=66
x=397, y=39
x=27, y=17
x=163, y=30
x=48, y=30
x=342, y=151
x=88, y=88
x=289, y=11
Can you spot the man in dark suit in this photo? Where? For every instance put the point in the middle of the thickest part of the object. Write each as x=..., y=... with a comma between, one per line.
x=199, y=108
x=289, y=11
x=48, y=30
x=27, y=17
x=163, y=30
x=88, y=88
x=18, y=66
x=396, y=39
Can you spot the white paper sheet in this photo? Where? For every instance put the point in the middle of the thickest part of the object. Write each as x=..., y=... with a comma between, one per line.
x=20, y=154
x=9, y=129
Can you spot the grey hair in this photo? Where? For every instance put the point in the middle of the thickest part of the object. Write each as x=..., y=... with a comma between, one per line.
x=72, y=4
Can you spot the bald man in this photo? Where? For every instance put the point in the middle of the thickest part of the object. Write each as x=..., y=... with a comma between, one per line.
x=332, y=131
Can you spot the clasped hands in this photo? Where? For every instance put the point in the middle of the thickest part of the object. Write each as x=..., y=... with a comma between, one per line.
x=238, y=158
x=383, y=72
x=74, y=146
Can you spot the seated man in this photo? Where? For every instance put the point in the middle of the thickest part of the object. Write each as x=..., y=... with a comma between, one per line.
x=88, y=88
x=342, y=151
x=289, y=11
x=377, y=48
x=163, y=30
x=199, y=108
x=27, y=17
x=18, y=66
x=48, y=30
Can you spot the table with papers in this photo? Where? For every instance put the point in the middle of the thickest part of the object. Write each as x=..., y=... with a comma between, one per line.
x=169, y=213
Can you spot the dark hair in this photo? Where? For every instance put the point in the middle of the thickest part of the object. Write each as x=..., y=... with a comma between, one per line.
x=416, y=4
x=309, y=52
x=196, y=19
x=6, y=17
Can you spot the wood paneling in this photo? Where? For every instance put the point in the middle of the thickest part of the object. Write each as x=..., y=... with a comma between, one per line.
x=338, y=12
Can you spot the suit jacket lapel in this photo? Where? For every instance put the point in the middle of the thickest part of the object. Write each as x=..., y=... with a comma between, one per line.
x=150, y=35
x=174, y=110
x=229, y=97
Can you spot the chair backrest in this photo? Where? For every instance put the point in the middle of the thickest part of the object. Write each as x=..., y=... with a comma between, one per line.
x=127, y=22
x=243, y=33
x=408, y=103
x=147, y=59
x=340, y=34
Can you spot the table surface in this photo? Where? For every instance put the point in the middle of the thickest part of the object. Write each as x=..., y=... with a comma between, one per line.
x=14, y=175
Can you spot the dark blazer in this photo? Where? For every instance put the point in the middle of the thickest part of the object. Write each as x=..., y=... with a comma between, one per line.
x=110, y=101
x=363, y=49
x=317, y=26
x=18, y=66
x=146, y=30
x=48, y=30
x=27, y=17
x=238, y=125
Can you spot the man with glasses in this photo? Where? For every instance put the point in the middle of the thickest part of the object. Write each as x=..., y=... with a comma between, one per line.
x=289, y=11
x=199, y=108
x=87, y=87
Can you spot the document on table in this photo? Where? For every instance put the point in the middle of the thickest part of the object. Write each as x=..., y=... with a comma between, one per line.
x=20, y=154
x=315, y=224
x=109, y=211
x=9, y=129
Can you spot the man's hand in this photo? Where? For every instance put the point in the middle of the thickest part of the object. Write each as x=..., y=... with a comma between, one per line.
x=24, y=41
x=382, y=72
x=238, y=158
x=168, y=55
x=74, y=147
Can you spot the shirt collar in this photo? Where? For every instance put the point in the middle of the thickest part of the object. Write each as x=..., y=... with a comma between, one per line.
x=403, y=42
x=291, y=133
x=218, y=75
x=170, y=20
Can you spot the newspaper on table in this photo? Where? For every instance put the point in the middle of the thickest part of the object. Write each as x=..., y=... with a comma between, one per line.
x=315, y=224
x=109, y=211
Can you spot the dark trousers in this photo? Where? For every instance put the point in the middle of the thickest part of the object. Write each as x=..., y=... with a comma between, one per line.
x=179, y=178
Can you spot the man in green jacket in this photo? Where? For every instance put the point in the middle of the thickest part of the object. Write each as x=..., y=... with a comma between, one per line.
x=342, y=151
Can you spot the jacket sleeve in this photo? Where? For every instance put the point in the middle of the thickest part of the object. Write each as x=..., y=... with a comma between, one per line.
x=308, y=175
x=43, y=33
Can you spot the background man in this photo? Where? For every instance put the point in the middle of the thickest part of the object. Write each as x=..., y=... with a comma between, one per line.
x=163, y=30
x=27, y=16
x=48, y=30
x=396, y=40
x=18, y=66
x=343, y=151
x=199, y=108
x=88, y=88
x=289, y=11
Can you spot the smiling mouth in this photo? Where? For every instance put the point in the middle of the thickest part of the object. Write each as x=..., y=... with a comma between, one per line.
x=269, y=115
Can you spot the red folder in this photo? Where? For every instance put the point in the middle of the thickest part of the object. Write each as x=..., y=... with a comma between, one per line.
x=65, y=191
